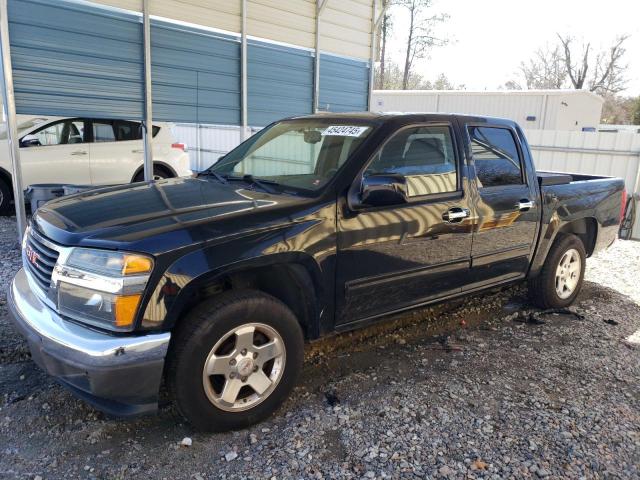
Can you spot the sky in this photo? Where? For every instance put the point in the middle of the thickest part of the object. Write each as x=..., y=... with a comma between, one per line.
x=489, y=38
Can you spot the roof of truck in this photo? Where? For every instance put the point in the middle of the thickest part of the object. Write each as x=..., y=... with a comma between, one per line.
x=408, y=117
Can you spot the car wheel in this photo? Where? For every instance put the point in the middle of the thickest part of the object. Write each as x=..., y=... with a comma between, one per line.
x=6, y=207
x=159, y=173
x=234, y=359
x=562, y=275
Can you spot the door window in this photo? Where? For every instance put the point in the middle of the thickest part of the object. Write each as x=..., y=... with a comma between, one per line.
x=103, y=132
x=118, y=131
x=424, y=156
x=496, y=157
x=59, y=133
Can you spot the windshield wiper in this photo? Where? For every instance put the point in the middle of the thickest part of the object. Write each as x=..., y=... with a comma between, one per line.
x=260, y=183
x=225, y=178
x=217, y=176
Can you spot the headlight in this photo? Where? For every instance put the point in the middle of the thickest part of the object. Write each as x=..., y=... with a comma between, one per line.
x=100, y=287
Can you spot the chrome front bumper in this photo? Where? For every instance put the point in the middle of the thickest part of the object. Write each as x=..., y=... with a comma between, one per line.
x=118, y=374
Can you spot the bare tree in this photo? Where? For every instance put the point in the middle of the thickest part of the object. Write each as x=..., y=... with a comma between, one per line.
x=395, y=77
x=385, y=30
x=545, y=70
x=619, y=110
x=420, y=36
x=607, y=69
x=635, y=113
x=442, y=82
x=511, y=85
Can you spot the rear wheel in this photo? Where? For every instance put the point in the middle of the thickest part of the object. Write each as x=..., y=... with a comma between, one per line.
x=159, y=173
x=234, y=360
x=6, y=207
x=562, y=275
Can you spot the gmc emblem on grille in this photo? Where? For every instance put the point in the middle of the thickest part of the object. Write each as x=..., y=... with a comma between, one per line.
x=31, y=254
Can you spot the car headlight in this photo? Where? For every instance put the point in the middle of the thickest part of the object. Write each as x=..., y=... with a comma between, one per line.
x=102, y=288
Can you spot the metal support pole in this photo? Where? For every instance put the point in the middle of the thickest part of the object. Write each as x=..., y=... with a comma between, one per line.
x=10, y=114
x=374, y=27
x=320, y=6
x=243, y=71
x=147, y=131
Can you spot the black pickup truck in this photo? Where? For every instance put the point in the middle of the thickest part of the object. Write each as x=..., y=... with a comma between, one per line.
x=315, y=225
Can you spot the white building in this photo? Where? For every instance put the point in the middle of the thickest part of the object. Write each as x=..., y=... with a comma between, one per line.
x=532, y=109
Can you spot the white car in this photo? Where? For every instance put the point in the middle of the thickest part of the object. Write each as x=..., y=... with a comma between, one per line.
x=87, y=151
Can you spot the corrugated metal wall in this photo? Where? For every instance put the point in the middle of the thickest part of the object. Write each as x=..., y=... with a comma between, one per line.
x=280, y=82
x=222, y=14
x=74, y=58
x=207, y=143
x=69, y=59
x=611, y=154
x=553, y=110
x=195, y=75
x=346, y=28
x=344, y=84
x=345, y=24
x=292, y=22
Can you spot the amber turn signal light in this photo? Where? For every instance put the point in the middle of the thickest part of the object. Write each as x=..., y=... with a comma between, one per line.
x=125, y=309
x=136, y=264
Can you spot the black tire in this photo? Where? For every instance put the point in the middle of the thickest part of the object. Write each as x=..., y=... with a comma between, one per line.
x=159, y=173
x=542, y=289
x=202, y=329
x=6, y=207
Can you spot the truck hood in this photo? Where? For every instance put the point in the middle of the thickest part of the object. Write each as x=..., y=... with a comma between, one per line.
x=162, y=216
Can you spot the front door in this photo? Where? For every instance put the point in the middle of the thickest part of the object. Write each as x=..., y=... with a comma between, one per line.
x=394, y=257
x=508, y=214
x=56, y=153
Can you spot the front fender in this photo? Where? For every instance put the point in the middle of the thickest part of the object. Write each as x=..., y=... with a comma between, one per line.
x=186, y=276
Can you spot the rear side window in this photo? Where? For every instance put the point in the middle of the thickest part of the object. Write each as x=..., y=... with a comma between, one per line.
x=118, y=131
x=127, y=130
x=424, y=156
x=495, y=156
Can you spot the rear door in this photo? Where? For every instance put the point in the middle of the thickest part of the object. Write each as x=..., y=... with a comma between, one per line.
x=56, y=153
x=116, y=151
x=402, y=255
x=507, y=209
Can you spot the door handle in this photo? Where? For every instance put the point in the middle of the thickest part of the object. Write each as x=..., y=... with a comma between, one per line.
x=79, y=152
x=139, y=150
x=455, y=215
x=525, y=204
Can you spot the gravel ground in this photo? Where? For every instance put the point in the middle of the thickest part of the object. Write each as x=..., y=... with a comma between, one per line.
x=468, y=389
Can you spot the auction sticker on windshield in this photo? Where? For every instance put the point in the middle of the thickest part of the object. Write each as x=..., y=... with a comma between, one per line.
x=345, y=131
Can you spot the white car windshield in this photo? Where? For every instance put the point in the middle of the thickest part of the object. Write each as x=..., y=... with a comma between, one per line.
x=22, y=127
x=303, y=153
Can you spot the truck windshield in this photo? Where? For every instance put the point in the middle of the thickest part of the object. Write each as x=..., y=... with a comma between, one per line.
x=303, y=154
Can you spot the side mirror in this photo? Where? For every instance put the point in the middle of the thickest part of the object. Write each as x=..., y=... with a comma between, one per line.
x=380, y=190
x=30, y=142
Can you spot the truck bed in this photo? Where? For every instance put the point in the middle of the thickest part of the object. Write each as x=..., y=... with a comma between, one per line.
x=559, y=178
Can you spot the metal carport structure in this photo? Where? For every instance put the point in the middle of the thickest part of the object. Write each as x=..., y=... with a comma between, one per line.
x=235, y=62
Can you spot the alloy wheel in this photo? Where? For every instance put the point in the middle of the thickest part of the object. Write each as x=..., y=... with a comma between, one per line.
x=244, y=367
x=568, y=273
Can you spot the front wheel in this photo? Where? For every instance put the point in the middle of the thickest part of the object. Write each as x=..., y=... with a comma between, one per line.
x=562, y=275
x=234, y=360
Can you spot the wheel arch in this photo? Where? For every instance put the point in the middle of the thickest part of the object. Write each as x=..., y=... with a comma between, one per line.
x=586, y=229
x=293, y=278
x=156, y=163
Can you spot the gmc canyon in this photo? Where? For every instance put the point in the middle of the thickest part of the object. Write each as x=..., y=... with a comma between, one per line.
x=315, y=225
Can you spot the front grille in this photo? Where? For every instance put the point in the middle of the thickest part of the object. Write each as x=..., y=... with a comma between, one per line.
x=39, y=259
